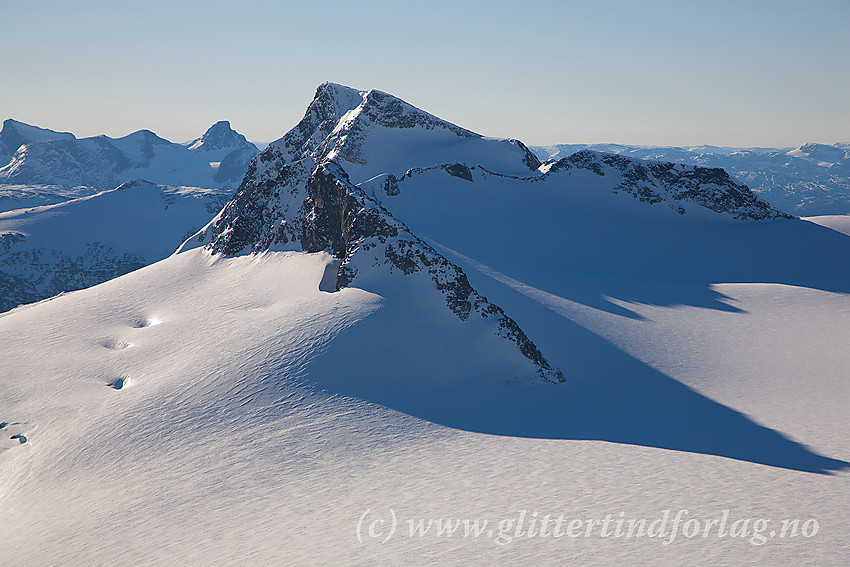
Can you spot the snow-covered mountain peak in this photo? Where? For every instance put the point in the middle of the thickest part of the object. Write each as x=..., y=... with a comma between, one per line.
x=15, y=134
x=32, y=133
x=333, y=100
x=301, y=194
x=330, y=103
x=220, y=136
x=823, y=154
x=374, y=132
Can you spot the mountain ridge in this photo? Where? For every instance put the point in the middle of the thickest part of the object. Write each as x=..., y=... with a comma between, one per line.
x=811, y=179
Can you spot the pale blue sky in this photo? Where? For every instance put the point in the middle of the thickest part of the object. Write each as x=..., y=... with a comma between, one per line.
x=745, y=72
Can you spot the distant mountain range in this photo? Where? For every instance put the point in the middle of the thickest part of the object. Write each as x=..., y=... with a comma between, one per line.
x=37, y=156
x=77, y=212
x=812, y=179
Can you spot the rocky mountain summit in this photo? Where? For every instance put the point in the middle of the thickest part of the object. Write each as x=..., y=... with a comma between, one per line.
x=220, y=139
x=328, y=185
x=298, y=195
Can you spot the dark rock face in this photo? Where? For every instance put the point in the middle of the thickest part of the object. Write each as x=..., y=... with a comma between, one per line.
x=584, y=159
x=390, y=185
x=530, y=159
x=265, y=211
x=459, y=170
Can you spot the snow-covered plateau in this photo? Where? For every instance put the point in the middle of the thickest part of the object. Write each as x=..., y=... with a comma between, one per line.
x=396, y=326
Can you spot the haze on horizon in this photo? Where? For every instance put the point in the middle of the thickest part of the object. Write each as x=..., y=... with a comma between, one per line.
x=757, y=73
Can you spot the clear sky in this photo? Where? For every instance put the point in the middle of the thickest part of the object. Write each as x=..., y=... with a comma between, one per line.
x=743, y=73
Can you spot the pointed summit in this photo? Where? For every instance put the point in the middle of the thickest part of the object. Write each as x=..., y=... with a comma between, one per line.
x=220, y=136
x=330, y=103
x=374, y=132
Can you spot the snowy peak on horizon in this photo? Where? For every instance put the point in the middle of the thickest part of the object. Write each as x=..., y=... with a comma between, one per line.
x=221, y=137
x=15, y=134
x=822, y=154
x=219, y=159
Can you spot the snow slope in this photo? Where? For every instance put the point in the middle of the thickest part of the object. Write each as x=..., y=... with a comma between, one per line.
x=217, y=159
x=813, y=179
x=236, y=440
x=75, y=244
x=839, y=223
x=297, y=385
x=23, y=196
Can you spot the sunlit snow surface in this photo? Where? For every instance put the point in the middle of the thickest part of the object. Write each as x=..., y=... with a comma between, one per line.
x=260, y=419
